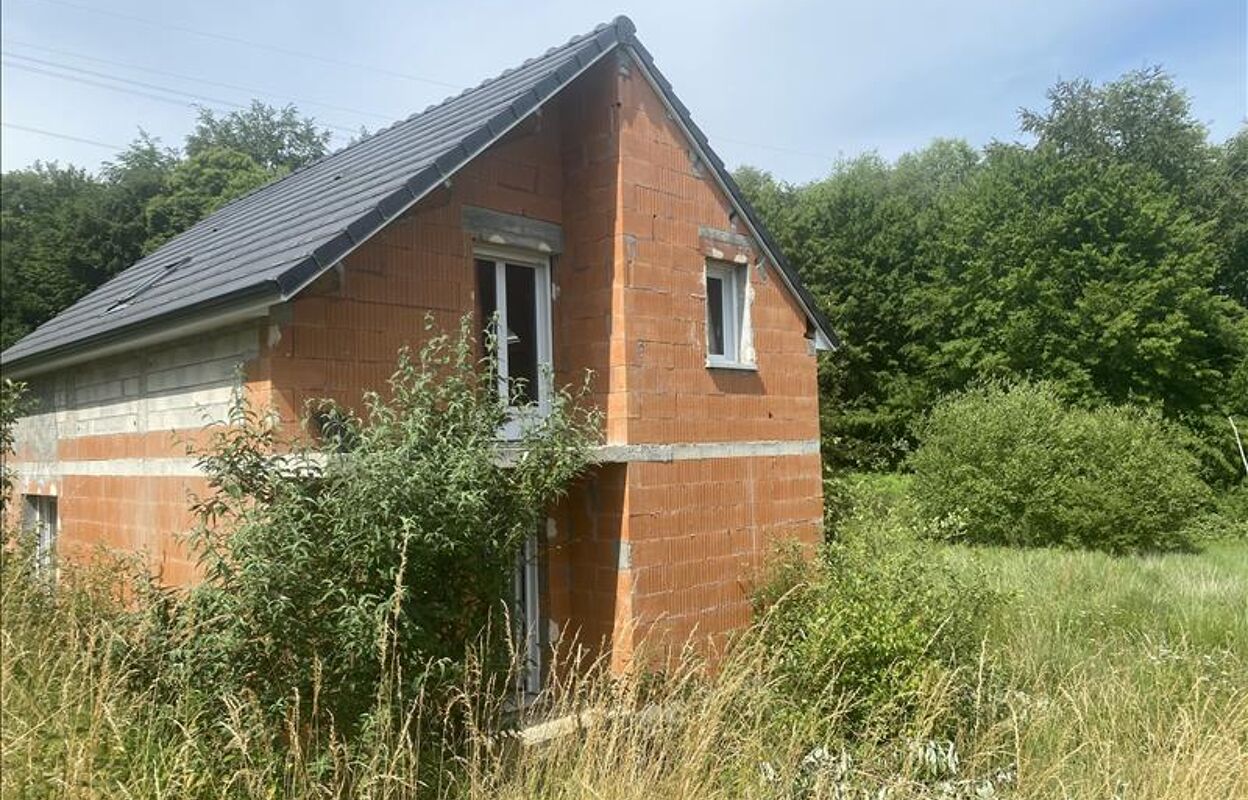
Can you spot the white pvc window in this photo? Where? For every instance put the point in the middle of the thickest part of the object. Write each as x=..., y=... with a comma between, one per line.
x=527, y=617
x=41, y=520
x=513, y=291
x=726, y=319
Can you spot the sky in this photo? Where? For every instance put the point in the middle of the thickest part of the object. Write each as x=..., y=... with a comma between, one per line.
x=787, y=86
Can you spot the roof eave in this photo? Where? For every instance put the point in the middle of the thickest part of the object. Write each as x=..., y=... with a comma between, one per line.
x=251, y=302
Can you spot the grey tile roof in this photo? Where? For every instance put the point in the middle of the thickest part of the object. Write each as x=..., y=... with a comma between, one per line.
x=271, y=242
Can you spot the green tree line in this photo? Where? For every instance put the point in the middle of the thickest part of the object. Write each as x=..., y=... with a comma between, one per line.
x=1107, y=255
x=64, y=230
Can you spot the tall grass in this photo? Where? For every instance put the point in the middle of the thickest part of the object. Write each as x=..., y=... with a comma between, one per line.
x=1100, y=677
x=79, y=724
x=1126, y=677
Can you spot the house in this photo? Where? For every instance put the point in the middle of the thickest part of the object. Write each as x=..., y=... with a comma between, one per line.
x=574, y=196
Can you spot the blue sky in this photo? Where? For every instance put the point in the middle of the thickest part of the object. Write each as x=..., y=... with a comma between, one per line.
x=788, y=86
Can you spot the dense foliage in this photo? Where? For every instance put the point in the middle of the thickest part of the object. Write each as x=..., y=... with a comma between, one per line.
x=865, y=628
x=371, y=562
x=1018, y=466
x=13, y=403
x=64, y=231
x=1108, y=256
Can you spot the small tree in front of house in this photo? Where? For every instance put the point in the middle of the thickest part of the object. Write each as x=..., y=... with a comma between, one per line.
x=367, y=565
x=12, y=405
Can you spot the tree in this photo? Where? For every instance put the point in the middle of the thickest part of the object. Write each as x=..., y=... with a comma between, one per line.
x=198, y=186
x=1226, y=196
x=1108, y=257
x=1090, y=275
x=277, y=139
x=50, y=219
x=1142, y=118
x=139, y=175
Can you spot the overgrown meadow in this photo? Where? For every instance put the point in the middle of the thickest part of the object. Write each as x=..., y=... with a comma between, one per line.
x=909, y=658
x=1096, y=676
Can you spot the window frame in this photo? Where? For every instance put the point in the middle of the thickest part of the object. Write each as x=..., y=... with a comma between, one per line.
x=527, y=615
x=518, y=416
x=734, y=281
x=42, y=517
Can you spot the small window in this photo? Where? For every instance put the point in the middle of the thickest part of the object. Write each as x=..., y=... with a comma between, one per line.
x=726, y=320
x=41, y=520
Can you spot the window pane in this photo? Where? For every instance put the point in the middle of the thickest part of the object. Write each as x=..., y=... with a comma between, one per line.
x=487, y=303
x=714, y=315
x=522, y=370
x=41, y=520
x=487, y=307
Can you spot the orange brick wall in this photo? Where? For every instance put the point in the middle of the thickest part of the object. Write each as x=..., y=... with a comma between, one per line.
x=666, y=197
x=700, y=532
x=344, y=333
x=130, y=515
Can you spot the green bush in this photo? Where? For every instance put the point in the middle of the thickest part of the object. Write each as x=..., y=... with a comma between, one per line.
x=866, y=626
x=365, y=565
x=1018, y=466
x=13, y=403
x=1228, y=521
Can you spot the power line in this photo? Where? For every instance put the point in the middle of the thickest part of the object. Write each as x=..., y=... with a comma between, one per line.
x=67, y=137
x=315, y=57
x=143, y=85
x=250, y=43
x=99, y=84
x=191, y=95
x=205, y=81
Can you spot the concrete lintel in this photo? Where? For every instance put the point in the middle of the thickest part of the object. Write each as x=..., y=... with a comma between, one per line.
x=607, y=454
x=512, y=230
x=727, y=237
x=696, y=451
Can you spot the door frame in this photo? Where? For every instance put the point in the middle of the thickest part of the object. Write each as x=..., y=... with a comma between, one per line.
x=527, y=614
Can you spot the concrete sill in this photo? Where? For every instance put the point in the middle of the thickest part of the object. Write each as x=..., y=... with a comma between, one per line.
x=739, y=366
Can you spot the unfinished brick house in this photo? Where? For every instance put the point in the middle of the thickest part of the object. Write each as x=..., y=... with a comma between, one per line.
x=574, y=198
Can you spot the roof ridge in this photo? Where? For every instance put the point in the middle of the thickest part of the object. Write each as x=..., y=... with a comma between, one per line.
x=621, y=21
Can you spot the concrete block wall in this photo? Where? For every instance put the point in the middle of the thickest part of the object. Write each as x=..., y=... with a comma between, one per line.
x=109, y=440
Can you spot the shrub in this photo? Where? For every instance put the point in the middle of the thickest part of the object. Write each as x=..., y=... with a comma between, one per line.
x=1020, y=467
x=874, y=619
x=368, y=563
x=13, y=403
x=1227, y=521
